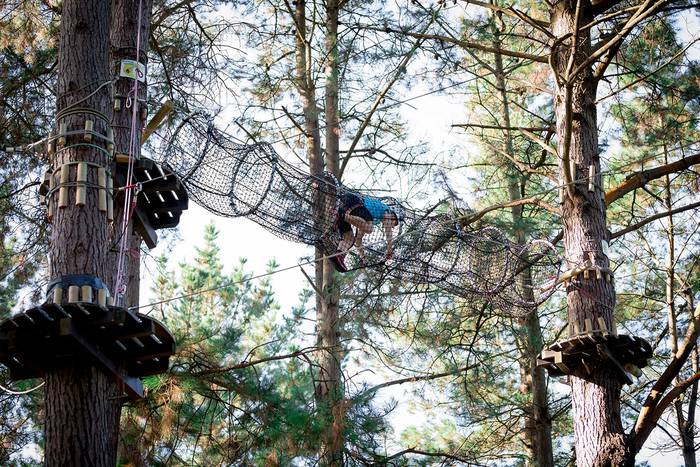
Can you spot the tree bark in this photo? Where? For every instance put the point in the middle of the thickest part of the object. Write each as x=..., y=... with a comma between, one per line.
x=687, y=428
x=82, y=417
x=329, y=333
x=125, y=25
x=537, y=431
x=599, y=436
x=124, y=32
x=328, y=389
x=82, y=402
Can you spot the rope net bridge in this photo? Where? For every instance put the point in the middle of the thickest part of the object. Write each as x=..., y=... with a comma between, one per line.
x=235, y=180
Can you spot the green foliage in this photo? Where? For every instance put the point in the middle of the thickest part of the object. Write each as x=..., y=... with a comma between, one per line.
x=212, y=408
x=203, y=411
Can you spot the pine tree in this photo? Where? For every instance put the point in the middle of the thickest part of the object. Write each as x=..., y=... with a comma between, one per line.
x=226, y=399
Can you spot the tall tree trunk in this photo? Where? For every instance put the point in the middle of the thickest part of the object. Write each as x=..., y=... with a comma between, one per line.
x=327, y=384
x=333, y=392
x=688, y=426
x=599, y=436
x=82, y=403
x=124, y=33
x=537, y=432
x=685, y=428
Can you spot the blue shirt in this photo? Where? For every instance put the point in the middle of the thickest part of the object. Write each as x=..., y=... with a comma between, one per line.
x=376, y=208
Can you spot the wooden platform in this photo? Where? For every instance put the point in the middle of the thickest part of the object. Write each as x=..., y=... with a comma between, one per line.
x=161, y=201
x=592, y=349
x=126, y=344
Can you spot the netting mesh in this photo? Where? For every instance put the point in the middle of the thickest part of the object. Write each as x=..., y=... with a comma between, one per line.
x=231, y=179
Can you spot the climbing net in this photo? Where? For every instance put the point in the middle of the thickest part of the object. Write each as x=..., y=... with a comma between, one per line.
x=431, y=249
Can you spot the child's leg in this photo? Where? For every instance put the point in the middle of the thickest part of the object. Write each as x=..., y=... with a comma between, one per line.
x=362, y=225
x=358, y=245
x=346, y=242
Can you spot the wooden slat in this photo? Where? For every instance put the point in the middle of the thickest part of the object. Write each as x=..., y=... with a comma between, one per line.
x=49, y=337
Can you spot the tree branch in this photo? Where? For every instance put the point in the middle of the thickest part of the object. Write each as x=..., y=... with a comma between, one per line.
x=649, y=219
x=21, y=189
x=653, y=408
x=644, y=11
x=510, y=11
x=399, y=71
x=249, y=363
x=663, y=404
x=412, y=379
x=651, y=73
x=524, y=168
x=543, y=144
x=414, y=450
x=468, y=219
x=639, y=179
x=500, y=127
x=464, y=43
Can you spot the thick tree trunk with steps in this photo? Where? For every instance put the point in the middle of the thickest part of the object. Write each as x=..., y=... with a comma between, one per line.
x=82, y=402
x=599, y=436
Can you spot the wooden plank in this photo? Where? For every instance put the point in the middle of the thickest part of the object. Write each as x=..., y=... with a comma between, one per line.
x=81, y=183
x=168, y=183
x=163, y=220
x=128, y=331
x=559, y=362
x=143, y=227
x=73, y=293
x=148, y=368
x=40, y=317
x=87, y=337
x=58, y=295
x=577, y=328
x=63, y=189
x=601, y=324
x=102, y=189
x=150, y=354
x=167, y=205
x=55, y=309
x=132, y=385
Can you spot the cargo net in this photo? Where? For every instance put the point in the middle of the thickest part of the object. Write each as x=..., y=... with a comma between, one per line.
x=236, y=180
